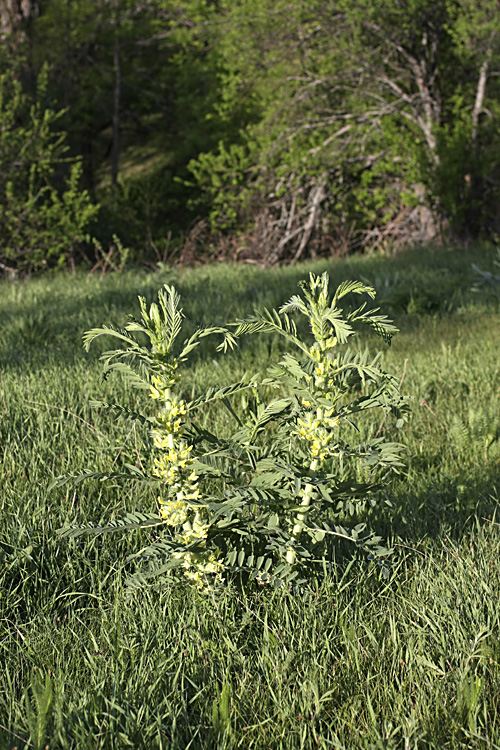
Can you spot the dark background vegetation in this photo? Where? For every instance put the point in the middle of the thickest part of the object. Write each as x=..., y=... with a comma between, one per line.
x=159, y=130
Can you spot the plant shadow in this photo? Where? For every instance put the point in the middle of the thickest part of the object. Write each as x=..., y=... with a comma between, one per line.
x=44, y=320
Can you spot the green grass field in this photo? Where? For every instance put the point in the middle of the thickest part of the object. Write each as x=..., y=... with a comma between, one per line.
x=351, y=660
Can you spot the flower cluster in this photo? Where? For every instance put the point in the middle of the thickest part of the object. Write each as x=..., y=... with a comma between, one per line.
x=161, y=386
x=325, y=365
x=198, y=565
x=317, y=428
x=182, y=507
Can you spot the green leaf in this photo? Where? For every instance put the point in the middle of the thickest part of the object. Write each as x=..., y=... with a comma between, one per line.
x=40, y=715
x=127, y=523
x=93, y=334
x=352, y=287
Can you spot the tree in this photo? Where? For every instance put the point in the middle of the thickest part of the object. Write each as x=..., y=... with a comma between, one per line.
x=364, y=115
x=134, y=83
x=44, y=213
x=15, y=17
x=295, y=127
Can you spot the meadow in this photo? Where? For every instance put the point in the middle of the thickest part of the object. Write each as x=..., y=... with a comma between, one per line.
x=349, y=660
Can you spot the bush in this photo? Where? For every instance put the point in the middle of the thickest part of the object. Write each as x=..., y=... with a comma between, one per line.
x=268, y=501
x=45, y=215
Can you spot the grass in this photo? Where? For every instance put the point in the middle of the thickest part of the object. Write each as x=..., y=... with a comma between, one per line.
x=350, y=661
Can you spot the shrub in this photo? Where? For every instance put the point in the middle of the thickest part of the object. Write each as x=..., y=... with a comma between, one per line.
x=44, y=213
x=267, y=501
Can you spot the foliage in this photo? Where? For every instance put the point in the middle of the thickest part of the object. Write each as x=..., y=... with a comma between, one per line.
x=352, y=139
x=289, y=477
x=271, y=129
x=44, y=213
x=149, y=88
x=40, y=716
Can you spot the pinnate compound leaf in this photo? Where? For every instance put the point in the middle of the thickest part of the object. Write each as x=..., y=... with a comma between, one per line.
x=122, y=412
x=134, y=474
x=352, y=287
x=127, y=523
x=216, y=394
x=118, y=333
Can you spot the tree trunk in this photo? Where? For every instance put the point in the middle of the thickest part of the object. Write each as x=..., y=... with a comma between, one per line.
x=115, y=149
x=15, y=17
x=480, y=94
x=475, y=180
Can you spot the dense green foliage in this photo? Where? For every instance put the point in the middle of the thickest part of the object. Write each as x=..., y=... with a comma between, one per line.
x=272, y=129
x=349, y=661
x=44, y=212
